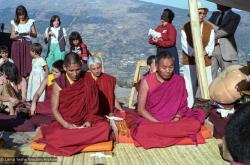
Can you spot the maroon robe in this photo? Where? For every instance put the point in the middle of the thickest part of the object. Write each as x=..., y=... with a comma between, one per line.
x=44, y=108
x=106, y=86
x=164, y=102
x=78, y=103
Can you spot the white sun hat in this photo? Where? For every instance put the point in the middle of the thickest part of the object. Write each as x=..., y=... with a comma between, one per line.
x=200, y=6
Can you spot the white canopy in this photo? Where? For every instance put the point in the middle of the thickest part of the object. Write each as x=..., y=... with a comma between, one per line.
x=239, y=4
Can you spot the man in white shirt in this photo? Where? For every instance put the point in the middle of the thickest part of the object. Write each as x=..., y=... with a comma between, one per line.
x=188, y=58
x=225, y=23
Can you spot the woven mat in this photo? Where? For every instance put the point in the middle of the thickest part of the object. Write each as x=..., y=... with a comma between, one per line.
x=127, y=154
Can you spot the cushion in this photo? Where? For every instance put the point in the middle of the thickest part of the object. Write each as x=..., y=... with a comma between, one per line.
x=50, y=79
x=103, y=146
x=205, y=132
x=124, y=135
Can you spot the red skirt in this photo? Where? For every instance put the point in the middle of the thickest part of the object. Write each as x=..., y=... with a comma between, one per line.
x=20, y=53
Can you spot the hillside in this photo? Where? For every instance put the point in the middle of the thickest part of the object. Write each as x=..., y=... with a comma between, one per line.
x=117, y=27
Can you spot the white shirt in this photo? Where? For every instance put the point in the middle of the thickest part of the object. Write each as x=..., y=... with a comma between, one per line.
x=190, y=51
x=55, y=39
x=23, y=28
x=77, y=50
x=225, y=14
x=38, y=64
x=10, y=60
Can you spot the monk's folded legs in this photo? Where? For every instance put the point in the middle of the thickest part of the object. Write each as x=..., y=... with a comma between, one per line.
x=70, y=141
x=149, y=134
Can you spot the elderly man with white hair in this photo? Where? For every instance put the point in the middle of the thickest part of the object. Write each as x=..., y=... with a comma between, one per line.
x=106, y=86
x=188, y=58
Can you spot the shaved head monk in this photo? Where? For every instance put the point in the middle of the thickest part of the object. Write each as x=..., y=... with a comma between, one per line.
x=75, y=105
x=163, y=117
x=106, y=86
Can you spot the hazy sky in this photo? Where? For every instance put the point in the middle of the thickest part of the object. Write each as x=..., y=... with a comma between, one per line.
x=182, y=3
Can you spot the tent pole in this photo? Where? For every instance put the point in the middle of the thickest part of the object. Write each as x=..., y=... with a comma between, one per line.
x=198, y=49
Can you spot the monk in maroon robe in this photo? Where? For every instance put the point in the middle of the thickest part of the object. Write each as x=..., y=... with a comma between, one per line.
x=163, y=117
x=74, y=105
x=106, y=86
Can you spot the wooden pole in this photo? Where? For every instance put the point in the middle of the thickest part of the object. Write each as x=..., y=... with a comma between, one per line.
x=141, y=63
x=198, y=49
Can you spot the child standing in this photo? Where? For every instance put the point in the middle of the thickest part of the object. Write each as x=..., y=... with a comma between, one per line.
x=4, y=54
x=55, y=36
x=38, y=73
x=22, y=29
x=79, y=47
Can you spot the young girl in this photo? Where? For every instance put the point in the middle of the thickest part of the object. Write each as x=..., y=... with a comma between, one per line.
x=55, y=36
x=45, y=107
x=39, y=72
x=79, y=47
x=22, y=29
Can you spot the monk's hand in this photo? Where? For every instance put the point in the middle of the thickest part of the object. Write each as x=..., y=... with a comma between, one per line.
x=70, y=126
x=176, y=118
x=87, y=124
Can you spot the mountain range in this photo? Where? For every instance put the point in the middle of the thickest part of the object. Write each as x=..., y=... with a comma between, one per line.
x=116, y=27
